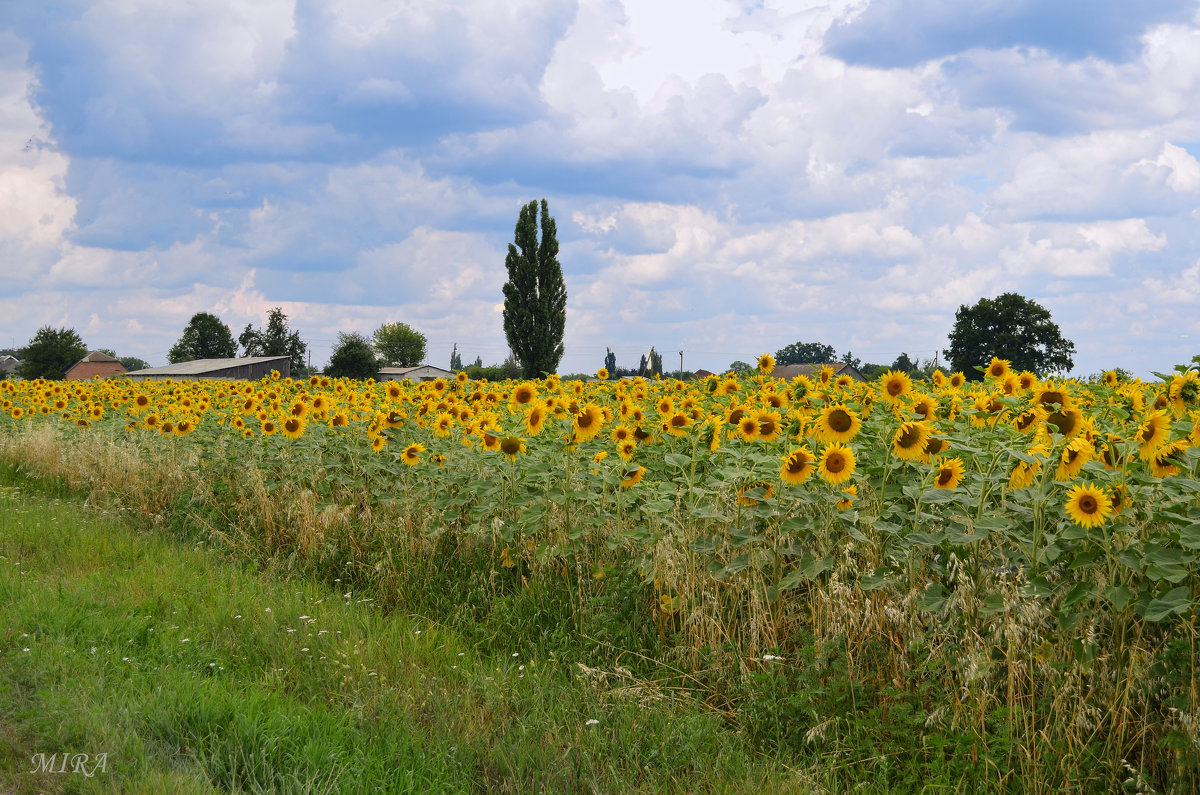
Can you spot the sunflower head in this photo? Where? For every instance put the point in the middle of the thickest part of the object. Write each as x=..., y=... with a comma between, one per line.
x=1088, y=505
x=910, y=441
x=632, y=476
x=949, y=473
x=602, y=373
x=894, y=384
x=797, y=466
x=837, y=463
x=512, y=446
x=766, y=363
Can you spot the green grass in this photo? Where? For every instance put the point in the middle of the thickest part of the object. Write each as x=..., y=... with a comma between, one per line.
x=194, y=673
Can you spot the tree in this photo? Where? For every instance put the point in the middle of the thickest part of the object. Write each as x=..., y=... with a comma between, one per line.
x=610, y=363
x=204, y=337
x=849, y=358
x=1010, y=327
x=50, y=353
x=132, y=363
x=276, y=340
x=455, y=360
x=903, y=364
x=805, y=353
x=353, y=357
x=535, y=295
x=740, y=367
x=399, y=345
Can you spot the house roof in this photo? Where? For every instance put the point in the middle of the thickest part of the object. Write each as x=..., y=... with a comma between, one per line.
x=406, y=370
x=789, y=371
x=202, y=366
x=97, y=356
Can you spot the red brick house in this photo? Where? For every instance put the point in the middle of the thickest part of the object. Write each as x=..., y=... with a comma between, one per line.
x=95, y=364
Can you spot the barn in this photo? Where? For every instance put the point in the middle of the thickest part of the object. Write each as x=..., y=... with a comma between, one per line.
x=424, y=372
x=789, y=371
x=247, y=368
x=95, y=364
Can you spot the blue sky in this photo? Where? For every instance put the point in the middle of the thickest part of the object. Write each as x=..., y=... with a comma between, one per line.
x=727, y=177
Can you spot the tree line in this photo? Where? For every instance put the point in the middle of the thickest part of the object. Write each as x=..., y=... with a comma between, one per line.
x=1010, y=327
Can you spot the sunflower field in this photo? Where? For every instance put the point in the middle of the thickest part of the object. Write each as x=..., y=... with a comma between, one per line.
x=1032, y=547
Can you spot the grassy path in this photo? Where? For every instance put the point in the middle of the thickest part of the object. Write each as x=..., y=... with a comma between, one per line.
x=192, y=673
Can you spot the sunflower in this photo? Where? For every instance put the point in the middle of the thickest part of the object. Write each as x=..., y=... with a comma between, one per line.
x=394, y=418
x=837, y=463
x=957, y=379
x=602, y=373
x=1087, y=505
x=443, y=424
x=535, y=418
x=766, y=363
x=797, y=466
x=461, y=377
x=938, y=378
x=621, y=433
x=588, y=423
x=269, y=428
x=298, y=409
x=677, y=424
x=910, y=440
x=1024, y=472
x=412, y=454
x=924, y=407
x=1068, y=422
x=626, y=449
x=1184, y=391
x=380, y=442
x=664, y=406
x=768, y=425
x=747, y=428
x=1166, y=459
x=184, y=427
x=512, y=446
x=848, y=496
x=998, y=368
x=166, y=428
x=151, y=420
x=1075, y=454
x=524, y=392
x=632, y=476
x=734, y=414
x=838, y=423
x=949, y=473
x=1048, y=393
x=340, y=419
x=1111, y=378
x=988, y=410
x=934, y=446
x=1152, y=433
x=1030, y=419
x=749, y=495
x=293, y=427
x=141, y=403
x=894, y=384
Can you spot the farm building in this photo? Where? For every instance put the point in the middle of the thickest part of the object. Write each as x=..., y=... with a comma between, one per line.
x=789, y=371
x=424, y=372
x=248, y=368
x=93, y=365
x=8, y=365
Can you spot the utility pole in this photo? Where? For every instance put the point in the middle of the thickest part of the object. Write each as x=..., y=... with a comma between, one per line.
x=681, y=365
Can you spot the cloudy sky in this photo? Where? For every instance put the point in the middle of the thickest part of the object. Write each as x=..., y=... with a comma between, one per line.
x=728, y=176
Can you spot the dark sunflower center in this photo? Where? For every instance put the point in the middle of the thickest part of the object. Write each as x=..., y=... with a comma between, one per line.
x=510, y=445
x=840, y=421
x=835, y=463
x=797, y=464
x=910, y=437
x=1088, y=504
x=1064, y=421
x=766, y=427
x=945, y=476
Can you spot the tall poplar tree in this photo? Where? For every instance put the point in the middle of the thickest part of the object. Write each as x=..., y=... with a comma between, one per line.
x=535, y=295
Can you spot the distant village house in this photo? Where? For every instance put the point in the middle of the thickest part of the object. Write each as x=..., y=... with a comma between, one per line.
x=94, y=365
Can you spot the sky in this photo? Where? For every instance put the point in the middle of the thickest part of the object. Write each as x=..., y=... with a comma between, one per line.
x=727, y=176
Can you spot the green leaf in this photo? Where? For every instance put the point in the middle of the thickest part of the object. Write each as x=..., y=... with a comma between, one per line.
x=880, y=578
x=1190, y=536
x=677, y=460
x=1120, y=596
x=933, y=598
x=1173, y=602
x=812, y=566
x=1080, y=592
x=925, y=539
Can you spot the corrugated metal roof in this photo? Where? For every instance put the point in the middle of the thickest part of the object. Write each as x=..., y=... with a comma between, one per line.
x=202, y=366
x=98, y=356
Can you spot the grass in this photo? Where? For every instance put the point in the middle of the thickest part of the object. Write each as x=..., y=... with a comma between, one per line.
x=194, y=673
